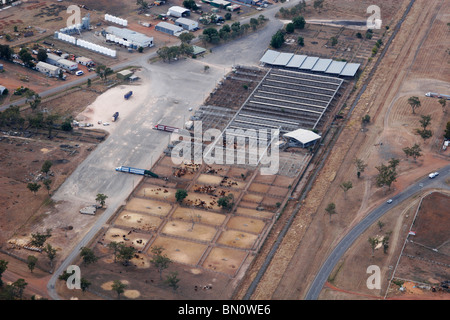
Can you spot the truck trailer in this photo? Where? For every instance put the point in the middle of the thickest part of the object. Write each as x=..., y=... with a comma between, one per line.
x=163, y=127
x=128, y=95
x=115, y=116
x=141, y=172
x=437, y=95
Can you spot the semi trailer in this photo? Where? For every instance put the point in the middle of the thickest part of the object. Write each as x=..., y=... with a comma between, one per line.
x=128, y=95
x=141, y=172
x=437, y=95
x=163, y=127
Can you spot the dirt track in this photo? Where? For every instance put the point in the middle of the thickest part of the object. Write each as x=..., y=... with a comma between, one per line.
x=293, y=266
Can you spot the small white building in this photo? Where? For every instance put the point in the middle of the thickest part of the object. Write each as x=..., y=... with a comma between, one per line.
x=67, y=64
x=84, y=61
x=187, y=24
x=302, y=137
x=178, y=12
x=48, y=69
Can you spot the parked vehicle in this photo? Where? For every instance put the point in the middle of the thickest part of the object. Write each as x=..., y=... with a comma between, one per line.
x=433, y=175
x=128, y=95
x=115, y=116
x=163, y=127
x=141, y=172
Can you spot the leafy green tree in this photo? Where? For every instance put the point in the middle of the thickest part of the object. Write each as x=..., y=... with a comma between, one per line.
x=425, y=121
x=447, y=131
x=51, y=253
x=47, y=183
x=125, y=254
x=180, y=195
x=226, y=202
x=299, y=22
x=66, y=125
x=18, y=287
x=34, y=187
x=380, y=224
x=115, y=247
x=443, y=103
x=42, y=55
x=31, y=262
x=38, y=239
x=46, y=166
x=387, y=174
x=172, y=280
x=88, y=255
x=415, y=103
x=190, y=4
x=35, y=102
x=334, y=41
x=211, y=35
x=254, y=23
x=373, y=242
x=331, y=209
x=277, y=39
x=414, y=151
x=101, y=198
x=118, y=287
x=159, y=260
x=290, y=28
x=347, y=185
x=227, y=16
x=186, y=37
x=3, y=267
x=301, y=41
x=360, y=166
x=318, y=4
x=84, y=284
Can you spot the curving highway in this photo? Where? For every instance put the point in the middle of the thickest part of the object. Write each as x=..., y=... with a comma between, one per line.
x=342, y=247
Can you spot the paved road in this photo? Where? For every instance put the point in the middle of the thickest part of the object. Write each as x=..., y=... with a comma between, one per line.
x=372, y=217
x=173, y=89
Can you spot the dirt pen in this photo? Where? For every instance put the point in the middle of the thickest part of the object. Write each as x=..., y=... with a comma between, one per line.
x=198, y=232
x=426, y=255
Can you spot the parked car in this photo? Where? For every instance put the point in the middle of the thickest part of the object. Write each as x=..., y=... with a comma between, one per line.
x=79, y=73
x=389, y=201
x=433, y=175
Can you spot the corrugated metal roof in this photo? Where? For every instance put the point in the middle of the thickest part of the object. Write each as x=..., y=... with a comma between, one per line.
x=269, y=57
x=128, y=34
x=185, y=21
x=309, y=63
x=336, y=67
x=296, y=61
x=283, y=59
x=350, y=69
x=322, y=65
x=302, y=135
x=169, y=26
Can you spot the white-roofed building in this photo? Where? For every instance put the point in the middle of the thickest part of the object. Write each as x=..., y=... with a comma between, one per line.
x=304, y=138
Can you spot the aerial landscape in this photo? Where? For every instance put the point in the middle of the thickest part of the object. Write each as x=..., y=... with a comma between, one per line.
x=212, y=150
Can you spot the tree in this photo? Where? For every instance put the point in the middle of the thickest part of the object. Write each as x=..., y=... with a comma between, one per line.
x=211, y=35
x=387, y=174
x=301, y=41
x=373, y=244
x=38, y=239
x=380, y=224
x=35, y=102
x=100, y=70
x=277, y=39
x=299, y=22
x=347, y=185
x=443, y=103
x=365, y=119
x=414, y=151
x=118, y=287
x=18, y=288
x=186, y=37
x=414, y=102
x=6, y=52
x=84, y=284
x=318, y=4
x=51, y=253
x=125, y=254
x=360, y=166
x=227, y=16
x=26, y=57
x=34, y=187
x=47, y=183
x=88, y=255
x=254, y=23
x=66, y=125
x=180, y=195
x=160, y=261
x=425, y=121
x=226, y=202
x=31, y=262
x=107, y=72
x=194, y=219
x=359, y=35
x=190, y=4
x=172, y=280
x=331, y=209
x=290, y=28
x=334, y=41
x=115, y=247
x=447, y=131
x=3, y=267
x=143, y=5
x=42, y=55
x=385, y=243
x=46, y=166
x=50, y=121
x=101, y=199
